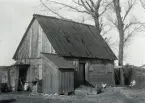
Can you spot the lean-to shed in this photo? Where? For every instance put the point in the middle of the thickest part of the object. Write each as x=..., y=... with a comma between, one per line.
x=58, y=74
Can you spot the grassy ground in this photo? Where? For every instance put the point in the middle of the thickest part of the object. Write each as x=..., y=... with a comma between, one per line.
x=110, y=95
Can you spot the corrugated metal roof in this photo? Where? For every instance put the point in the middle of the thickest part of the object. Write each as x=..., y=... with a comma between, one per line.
x=60, y=62
x=74, y=39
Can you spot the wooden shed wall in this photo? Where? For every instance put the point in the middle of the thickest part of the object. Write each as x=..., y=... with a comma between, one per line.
x=13, y=77
x=34, y=71
x=29, y=45
x=75, y=62
x=34, y=42
x=50, y=77
x=66, y=81
x=100, y=73
x=23, y=51
x=3, y=76
x=96, y=71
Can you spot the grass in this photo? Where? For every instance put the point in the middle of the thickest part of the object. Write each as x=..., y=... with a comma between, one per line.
x=110, y=95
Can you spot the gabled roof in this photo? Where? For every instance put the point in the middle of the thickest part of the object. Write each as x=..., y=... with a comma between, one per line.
x=75, y=39
x=60, y=62
x=72, y=39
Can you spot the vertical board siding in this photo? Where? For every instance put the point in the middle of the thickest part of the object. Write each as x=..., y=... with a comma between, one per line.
x=34, y=71
x=55, y=80
x=29, y=47
x=96, y=71
x=34, y=42
x=14, y=74
x=66, y=81
x=3, y=76
x=50, y=77
x=75, y=62
x=23, y=51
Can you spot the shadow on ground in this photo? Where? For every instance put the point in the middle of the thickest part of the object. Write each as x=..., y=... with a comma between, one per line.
x=8, y=101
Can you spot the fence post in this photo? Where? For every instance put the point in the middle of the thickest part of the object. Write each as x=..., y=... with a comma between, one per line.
x=121, y=76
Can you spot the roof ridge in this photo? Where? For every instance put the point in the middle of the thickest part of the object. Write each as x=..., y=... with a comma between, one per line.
x=63, y=19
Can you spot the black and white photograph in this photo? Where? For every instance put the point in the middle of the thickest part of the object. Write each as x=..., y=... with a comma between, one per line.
x=72, y=51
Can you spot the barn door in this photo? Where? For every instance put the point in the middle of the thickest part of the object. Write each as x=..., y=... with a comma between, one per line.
x=81, y=73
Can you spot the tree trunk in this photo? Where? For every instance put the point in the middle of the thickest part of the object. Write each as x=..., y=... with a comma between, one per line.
x=120, y=57
x=120, y=27
x=97, y=24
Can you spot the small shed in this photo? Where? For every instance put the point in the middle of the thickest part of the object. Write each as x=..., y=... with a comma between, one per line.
x=58, y=74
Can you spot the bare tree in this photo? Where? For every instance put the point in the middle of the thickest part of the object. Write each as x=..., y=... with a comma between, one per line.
x=127, y=30
x=143, y=3
x=95, y=10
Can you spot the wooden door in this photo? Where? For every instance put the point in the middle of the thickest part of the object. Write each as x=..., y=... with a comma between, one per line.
x=81, y=73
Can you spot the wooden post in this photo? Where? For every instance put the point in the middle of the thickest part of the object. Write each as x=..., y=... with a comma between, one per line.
x=121, y=76
x=9, y=79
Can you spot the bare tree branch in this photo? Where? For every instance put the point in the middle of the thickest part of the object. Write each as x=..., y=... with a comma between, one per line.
x=105, y=8
x=143, y=3
x=90, y=6
x=110, y=19
x=98, y=4
x=52, y=10
x=68, y=6
x=130, y=6
x=106, y=32
x=77, y=3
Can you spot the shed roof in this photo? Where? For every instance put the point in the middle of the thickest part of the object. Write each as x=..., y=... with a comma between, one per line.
x=74, y=39
x=60, y=62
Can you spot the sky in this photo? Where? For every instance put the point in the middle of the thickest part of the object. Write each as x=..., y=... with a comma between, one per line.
x=15, y=15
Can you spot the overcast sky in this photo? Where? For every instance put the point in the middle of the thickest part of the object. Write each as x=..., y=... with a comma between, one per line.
x=15, y=15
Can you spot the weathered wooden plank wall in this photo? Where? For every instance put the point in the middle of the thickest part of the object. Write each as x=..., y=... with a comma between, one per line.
x=13, y=80
x=50, y=77
x=57, y=80
x=34, y=39
x=99, y=73
x=34, y=43
x=75, y=62
x=66, y=81
x=3, y=76
x=28, y=48
x=96, y=71
x=23, y=51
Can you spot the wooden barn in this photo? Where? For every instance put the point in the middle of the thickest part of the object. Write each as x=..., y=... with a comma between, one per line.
x=64, y=55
